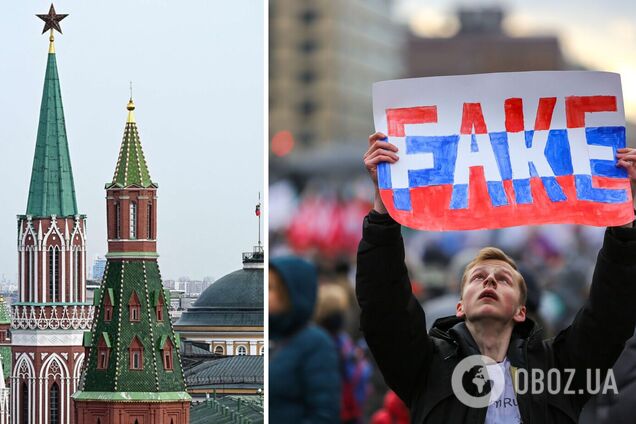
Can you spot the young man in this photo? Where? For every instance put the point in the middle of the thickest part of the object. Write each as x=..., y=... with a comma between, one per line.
x=490, y=320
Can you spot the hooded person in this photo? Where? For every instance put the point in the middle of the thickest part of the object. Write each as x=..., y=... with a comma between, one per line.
x=304, y=379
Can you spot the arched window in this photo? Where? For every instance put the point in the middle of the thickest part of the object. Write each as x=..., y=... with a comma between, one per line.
x=54, y=272
x=103, y=352
x=150, y=236
x=159, y=306
x=76, y=272
x=25, y=404
x=108, y=307
x=30, y=280
x=241, y=351
x=134, y=307
x=133, y=220
x=219, y=350
x=117, y=221
x=136, y=353
x=167, y=355
x=54, y=406
x=27, y=274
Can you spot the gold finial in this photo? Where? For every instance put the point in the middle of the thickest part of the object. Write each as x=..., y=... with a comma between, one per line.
x=131, y=107
x=52, y=42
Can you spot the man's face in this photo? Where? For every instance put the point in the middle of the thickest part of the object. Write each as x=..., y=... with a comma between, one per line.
x=492, y=291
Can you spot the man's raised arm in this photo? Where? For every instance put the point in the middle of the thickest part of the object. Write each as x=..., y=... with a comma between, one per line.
x=392, y=320
x=598, y=334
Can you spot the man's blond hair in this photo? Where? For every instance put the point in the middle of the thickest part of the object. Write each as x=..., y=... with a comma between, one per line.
x=492, y=253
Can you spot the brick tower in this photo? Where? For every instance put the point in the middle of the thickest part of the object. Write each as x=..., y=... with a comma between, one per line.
x=133, y=369
x=51, y=315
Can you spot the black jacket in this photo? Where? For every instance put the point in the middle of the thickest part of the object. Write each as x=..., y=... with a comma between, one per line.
x=418, y=366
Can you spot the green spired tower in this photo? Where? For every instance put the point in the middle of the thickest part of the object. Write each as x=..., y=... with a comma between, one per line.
x=51, y=315
x=133, y=369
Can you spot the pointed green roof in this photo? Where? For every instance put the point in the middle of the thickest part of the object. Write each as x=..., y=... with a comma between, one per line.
x=124, y=280
x=131, y=169
x=52, y=191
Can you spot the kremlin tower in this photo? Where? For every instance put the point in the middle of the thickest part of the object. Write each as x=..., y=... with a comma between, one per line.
x=133, y=371
x=51, y=316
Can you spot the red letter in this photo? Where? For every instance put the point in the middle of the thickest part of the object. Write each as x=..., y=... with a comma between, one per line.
x=473, y=117
x=576, y=106
x=514, y=115
x=396, y=118
x=544, y=113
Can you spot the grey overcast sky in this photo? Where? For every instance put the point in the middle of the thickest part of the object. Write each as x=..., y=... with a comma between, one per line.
x=197, y=72
x=598, y=34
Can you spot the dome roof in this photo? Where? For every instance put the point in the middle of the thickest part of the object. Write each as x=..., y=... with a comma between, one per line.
x=233, y=300
x=238, y=289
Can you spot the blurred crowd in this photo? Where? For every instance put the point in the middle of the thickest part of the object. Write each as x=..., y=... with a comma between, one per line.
x=323, y=223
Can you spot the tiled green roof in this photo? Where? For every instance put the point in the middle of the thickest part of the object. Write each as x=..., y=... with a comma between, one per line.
x=131, y=169
x=121, y=278
x=5, y=316
x=234, y=369
x=52, y=191
x=228, y=410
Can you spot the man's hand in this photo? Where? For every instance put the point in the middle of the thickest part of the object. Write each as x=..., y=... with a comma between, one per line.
x=627, y=160
x=379, y=151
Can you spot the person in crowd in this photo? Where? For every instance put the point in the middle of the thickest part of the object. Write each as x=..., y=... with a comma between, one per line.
x=393, y=411
x=490, y=320
x=355, y=370
x=304, y=378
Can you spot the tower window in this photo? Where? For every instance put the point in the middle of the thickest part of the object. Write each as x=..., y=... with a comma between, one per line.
x=25, y=404
x=136, y=353
x=133, y=220
x=103, y=354
x=134, y=307
x=76, y=272
x=150, y=235
x=54, y=272
x=108, y=308
x=27, y=274
x=167, y=355
x=55, y=404
x=117, y=221
x=159, y=307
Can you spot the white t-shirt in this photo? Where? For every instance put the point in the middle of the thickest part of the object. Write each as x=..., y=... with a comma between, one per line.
x=504, y=410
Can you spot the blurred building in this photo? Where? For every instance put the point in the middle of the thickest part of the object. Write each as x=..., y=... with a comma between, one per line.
x=482, y=46
x=324, y=56
x=99, y=265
